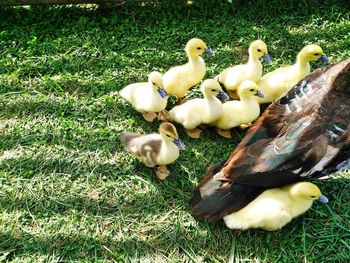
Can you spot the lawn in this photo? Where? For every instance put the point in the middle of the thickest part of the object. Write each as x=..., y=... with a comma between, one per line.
x=69, y=191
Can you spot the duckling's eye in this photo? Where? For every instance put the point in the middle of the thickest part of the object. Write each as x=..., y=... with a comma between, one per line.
x=154, y=84
x=199, y=48
x=252, y=90
x=259, y=50
x=313, y=196
x=316, y=54
x=168, y=135
x=213, y=90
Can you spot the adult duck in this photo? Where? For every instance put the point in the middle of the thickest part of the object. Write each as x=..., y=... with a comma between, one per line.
x=296, y=136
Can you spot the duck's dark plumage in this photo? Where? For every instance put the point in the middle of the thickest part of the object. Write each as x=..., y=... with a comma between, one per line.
x=295, y=137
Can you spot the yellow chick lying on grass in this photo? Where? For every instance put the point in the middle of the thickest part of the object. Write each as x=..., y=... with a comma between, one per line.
x=178, y=80
x=155, y=150
x=240, y=112
x=276, y=207
x=148, y=98
x=195, y=112
x=232, y=77
x=277, y=82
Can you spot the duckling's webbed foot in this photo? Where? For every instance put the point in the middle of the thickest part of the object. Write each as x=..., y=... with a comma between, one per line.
x=203, y=126
x=343, y=166
x=181, y=100
x=161, y=172
x=233, y=94
x=164, y=116
x=245, y=125
x=149, y=116
x=194, y=133
x=224, y=133
x=327, y=172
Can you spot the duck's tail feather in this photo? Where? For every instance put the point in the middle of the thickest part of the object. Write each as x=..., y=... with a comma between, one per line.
x=165, y=116
x=340, y=163
x=197, y=196
x=213, y=199
x=126, y=139
x=225, y=200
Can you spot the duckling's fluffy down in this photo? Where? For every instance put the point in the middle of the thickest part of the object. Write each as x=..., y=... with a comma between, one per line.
x=143, y=98
x=190, y=115
x=145, y=147
x=179, y=79
x=273, y=209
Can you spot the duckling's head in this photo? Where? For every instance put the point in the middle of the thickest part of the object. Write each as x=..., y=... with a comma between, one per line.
x=249, y=88
x=311, y=53
x=258, y=49
x=307, y=191
x=169, y=134
x=155, y=79
x=196, y=47
x=212, y=88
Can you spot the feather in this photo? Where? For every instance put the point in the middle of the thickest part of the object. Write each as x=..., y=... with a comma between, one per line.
x=197, y=195
x=145, y=147
x=285, y=144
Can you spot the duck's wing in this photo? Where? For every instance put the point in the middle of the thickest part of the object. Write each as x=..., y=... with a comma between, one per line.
x=145, y=147
x=295, y=137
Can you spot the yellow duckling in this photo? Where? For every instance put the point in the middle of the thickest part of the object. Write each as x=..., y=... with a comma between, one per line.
x=195, y=112
x=276, y=207
x=178, y=80
x=148, y=98
x=155, y=150
x=252, y=70
x=277, y=82
x=240, y=112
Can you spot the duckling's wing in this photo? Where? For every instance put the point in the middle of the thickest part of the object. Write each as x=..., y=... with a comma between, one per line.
x=145, y=147
x=276, y=78
x=277, y=72
x=177, y=81
x=295, y=136
x=231, y=77
x=189, y=113
x=129, y=91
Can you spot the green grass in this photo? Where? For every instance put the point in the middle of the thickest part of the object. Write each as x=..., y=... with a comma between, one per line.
x=68, y=190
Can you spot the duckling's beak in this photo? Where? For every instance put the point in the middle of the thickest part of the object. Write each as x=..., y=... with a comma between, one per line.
x=267, y=58
x=323, y=199
x=180, y=144
x=222, y=96
x=162, y=92
x=259, y=94
x=209, y=52
x=324, y=58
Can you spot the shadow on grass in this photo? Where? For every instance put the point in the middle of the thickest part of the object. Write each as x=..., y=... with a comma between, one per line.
x=130, y=42
x=112, y=180
x=82, y=108
x=139, y=38
x=60, y=245
x=186, y=240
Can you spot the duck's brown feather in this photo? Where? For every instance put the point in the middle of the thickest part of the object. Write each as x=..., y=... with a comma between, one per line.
x=309, y=125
